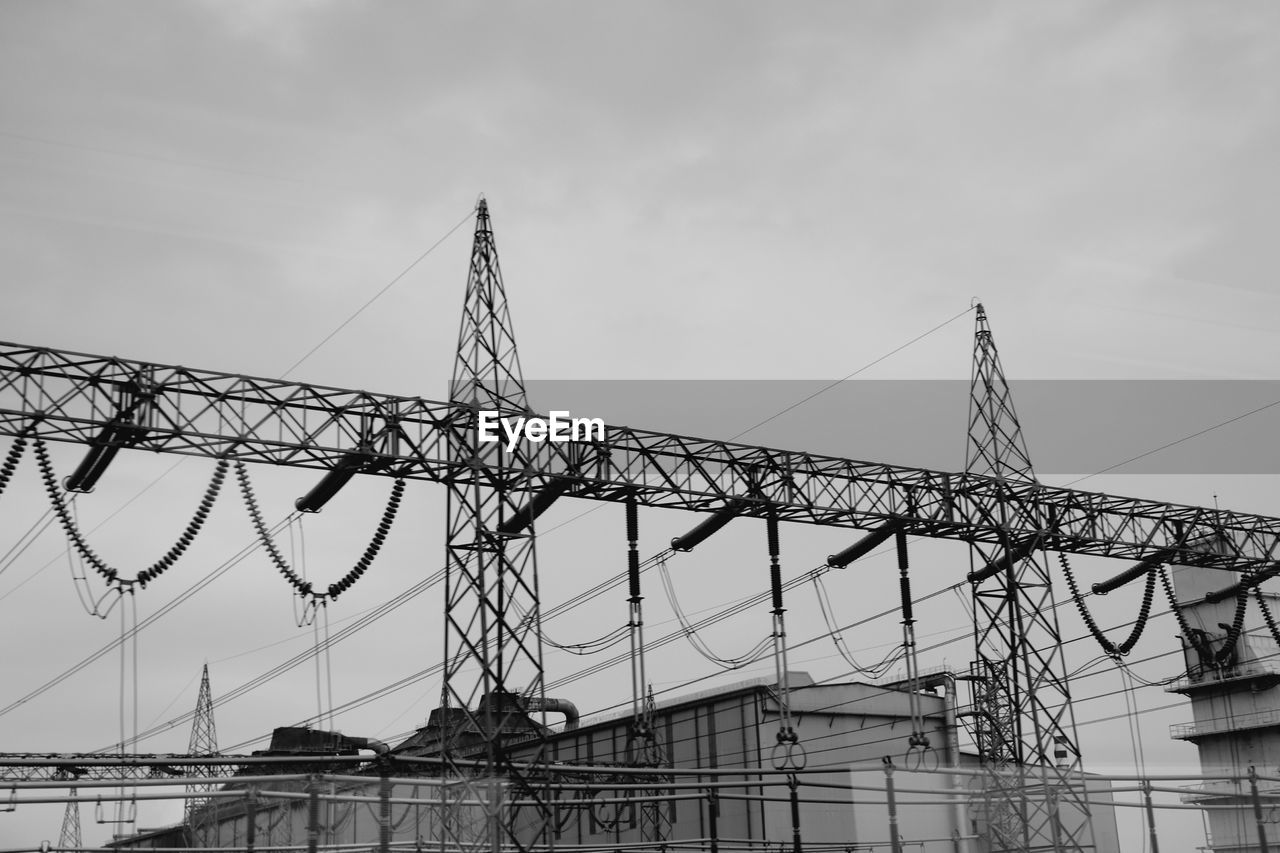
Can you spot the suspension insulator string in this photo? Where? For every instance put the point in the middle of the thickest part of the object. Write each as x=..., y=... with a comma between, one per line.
x=1144, y=611
x=918, y=738
x=787, y=752
x=641, y=733
x=111, y=575
x=1266, y=613
x=11, y=460
x=304, y=587
x=1228, y=647
x=1196, y=638
x=1173, y=604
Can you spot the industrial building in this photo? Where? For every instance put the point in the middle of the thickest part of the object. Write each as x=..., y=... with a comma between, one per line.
x=840, y=726
x=1233, y=683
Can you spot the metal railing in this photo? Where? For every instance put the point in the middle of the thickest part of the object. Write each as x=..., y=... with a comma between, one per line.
x=1221, y=725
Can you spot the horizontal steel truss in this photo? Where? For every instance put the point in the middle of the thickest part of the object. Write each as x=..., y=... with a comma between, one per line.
x=107, y=401
x=71, y=767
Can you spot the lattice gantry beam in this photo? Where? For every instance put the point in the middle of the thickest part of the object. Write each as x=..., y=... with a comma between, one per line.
x=73, y=397
x=70, y=767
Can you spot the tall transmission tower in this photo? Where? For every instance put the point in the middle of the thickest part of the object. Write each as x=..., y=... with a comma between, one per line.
x=69, y=837
x=493, y=640
x=1024, y=719
x=200, y=812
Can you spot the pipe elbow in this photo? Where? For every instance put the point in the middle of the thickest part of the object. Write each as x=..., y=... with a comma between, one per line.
x=558, y=706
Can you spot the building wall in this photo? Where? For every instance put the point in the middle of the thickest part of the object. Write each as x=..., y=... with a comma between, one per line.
x=733, y=731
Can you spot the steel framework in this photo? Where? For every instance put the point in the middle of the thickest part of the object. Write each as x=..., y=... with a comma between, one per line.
x=1021, y=696
x=200, y=814
x=95, y=400
x=493, y=659
x=492, y=618
x=69, y=835
x=97, y=766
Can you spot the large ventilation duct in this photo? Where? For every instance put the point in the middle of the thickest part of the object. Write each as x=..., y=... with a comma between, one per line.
x=557, y=706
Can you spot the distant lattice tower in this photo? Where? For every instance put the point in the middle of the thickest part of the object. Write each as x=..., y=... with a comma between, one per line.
x=199, y=816
x=69, y=838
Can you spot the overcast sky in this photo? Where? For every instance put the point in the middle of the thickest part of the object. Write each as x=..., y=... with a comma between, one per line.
x=715, y=190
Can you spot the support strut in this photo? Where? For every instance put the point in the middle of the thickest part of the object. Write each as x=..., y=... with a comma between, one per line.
x=641, y=734
x=864, y=546
x=787, y=753
x=125, y=429
x=918, y=739
x=703, y=531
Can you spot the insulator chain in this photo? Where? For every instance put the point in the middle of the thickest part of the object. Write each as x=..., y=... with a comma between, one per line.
x=1173, y=603
x=11, y=460
x=1237, y=624
x=1115, y=651
x=1233, y=632
x=1266, y=613
x=100, y=566
x=304, y=587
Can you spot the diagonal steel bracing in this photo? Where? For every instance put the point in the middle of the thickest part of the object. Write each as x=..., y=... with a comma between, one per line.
x=72, y=397
x=201, y=814
x=492, y=641
x=1021, y=696
x=492, y=637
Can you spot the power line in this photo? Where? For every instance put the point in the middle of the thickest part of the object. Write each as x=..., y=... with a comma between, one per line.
x=378, y=295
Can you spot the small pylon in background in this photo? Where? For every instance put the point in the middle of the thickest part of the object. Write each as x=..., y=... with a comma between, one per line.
x=199, y=816
x=655, y=811
x=69, y=838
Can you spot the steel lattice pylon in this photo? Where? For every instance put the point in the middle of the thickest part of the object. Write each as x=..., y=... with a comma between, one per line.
x=492, y=620
x=69, y=837
x=655, y=810
x=1025, y=727
x=201, y=813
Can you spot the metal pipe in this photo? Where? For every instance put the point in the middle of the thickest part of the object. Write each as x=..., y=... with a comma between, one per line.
x=703, y=531
x=949, y=699
x=635, y=621
x=332, y=482
x=1137, y=570
x=1257, y=809
x=794, y=784
x=864, y=546
x=125, y=429
x=1016, y=552
x=384, y=807
x=713, y=819
x=1151, y=817
x=894, y=841
x=251, y=820
x=786, y=732
x=540, y=503
x=918, y=736
x=313, y=814
x=556, y=706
